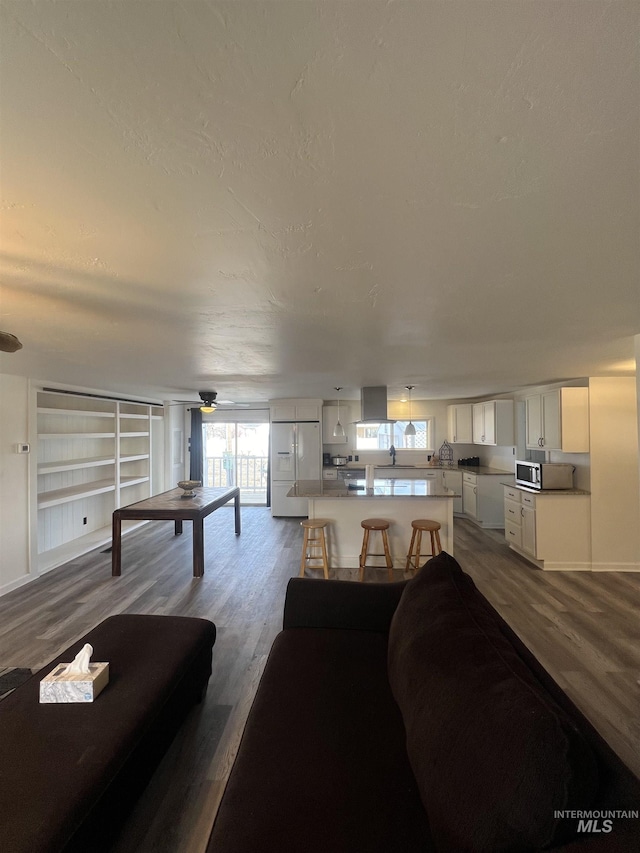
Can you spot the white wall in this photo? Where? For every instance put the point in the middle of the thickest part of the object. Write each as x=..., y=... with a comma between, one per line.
x=14, y=482
x=615, y=479
x=637, y=341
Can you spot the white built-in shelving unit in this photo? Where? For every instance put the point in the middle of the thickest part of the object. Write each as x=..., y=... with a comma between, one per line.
x=93, y=455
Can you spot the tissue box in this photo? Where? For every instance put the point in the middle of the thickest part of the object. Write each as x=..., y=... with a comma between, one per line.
x=57, y=687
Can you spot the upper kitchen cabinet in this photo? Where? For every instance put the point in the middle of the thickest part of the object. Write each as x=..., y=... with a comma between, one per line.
x=460, y=424
x=295, y=410
x=330, y=415
x=493, y=422
x=558, y=420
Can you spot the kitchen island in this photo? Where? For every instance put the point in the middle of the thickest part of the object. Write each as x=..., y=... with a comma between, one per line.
x=399, y=500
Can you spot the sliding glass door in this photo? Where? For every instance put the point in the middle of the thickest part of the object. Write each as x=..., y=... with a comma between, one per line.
x=237, y=454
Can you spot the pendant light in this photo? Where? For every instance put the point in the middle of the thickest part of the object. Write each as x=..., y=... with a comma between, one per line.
x=409, y=429
x=338, y=430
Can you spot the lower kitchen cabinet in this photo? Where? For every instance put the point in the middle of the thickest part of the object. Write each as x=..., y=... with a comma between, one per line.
x=469, y=498
x=550, y=530
x=452, y=479
x=482, y=499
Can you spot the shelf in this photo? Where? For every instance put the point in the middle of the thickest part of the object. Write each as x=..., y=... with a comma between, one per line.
x=133, y=480
x=75, y=413
x=96, y=539
x=74, y=493
x=117, y=442
x=75, y=464
x=51, y=435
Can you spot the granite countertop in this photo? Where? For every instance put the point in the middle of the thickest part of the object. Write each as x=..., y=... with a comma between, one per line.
x=467, y=469
x=483, y=469
x=395, y=487
x=548, y=491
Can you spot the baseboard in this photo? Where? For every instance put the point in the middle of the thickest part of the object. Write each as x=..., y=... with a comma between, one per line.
x=9, y=587
x=548, y=566
x=566, y=567
x=615, y=567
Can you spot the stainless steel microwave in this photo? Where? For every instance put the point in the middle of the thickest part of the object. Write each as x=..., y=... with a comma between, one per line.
x=544, y=475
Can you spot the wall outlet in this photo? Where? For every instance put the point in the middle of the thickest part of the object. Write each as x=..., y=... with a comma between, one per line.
x=84, y=520
x=22, y=448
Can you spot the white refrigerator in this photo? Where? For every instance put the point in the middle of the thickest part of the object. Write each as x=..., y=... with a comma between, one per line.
x=296, y=454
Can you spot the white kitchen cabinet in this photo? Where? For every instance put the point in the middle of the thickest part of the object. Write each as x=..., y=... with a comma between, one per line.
x=460, y=423
x=329, y=420
x=470, y=496
x=452, y=479
x=529, y=530
x=482, y=499
x=93, y=456
x=558, y=420
x=295, y=410
x=493, y=422
x=551, y=531
x=512, y=516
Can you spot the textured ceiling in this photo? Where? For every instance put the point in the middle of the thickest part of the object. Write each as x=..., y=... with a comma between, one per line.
x=274, y=198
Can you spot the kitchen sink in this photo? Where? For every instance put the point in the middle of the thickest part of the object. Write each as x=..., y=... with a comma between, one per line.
x=391, y=465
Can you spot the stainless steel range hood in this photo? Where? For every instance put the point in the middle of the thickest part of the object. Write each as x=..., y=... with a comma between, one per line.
x=373, y=401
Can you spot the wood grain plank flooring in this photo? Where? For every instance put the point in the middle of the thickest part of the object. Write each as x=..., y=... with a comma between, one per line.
x=584, y=628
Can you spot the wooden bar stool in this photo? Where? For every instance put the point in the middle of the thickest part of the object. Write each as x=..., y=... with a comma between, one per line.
x=420, y=526
x=314, y=543
x=382, y=525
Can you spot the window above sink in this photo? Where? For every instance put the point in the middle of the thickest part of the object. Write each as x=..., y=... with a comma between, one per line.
x=372, y=436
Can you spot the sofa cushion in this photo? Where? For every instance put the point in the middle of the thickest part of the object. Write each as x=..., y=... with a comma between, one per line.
x=492, y=753
x=322, y=766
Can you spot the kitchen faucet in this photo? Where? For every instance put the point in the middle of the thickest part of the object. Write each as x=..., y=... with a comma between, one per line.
x=392, y=453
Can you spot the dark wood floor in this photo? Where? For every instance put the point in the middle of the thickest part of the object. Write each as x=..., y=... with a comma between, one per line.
x=584, y=628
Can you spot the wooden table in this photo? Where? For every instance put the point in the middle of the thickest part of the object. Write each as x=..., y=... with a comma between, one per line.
x=173, y=506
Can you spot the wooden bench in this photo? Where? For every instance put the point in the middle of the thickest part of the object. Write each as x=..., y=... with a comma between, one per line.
x=69, y=773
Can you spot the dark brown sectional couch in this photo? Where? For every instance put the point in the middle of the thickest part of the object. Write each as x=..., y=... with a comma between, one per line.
x=409, y=717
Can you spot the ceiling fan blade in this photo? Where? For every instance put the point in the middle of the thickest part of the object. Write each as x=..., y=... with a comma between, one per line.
x=220, y=404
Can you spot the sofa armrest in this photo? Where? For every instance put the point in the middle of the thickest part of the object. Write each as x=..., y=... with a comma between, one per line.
x=311, y=603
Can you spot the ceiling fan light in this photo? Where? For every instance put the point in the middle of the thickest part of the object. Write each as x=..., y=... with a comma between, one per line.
x=208, y=401
x=9, y=342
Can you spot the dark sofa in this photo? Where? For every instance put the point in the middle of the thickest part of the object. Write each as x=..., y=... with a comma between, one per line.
x=409, y=717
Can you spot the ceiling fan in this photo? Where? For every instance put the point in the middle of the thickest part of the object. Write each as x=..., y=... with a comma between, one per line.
x=9, y=342
x=209, y=402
